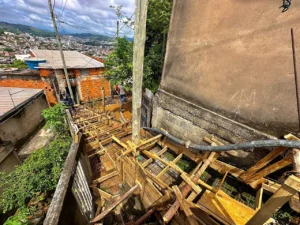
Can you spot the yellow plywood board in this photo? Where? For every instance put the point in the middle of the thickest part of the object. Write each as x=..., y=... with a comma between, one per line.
x=225, y=209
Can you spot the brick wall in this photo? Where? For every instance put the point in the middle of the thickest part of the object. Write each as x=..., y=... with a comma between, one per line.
x=91, y=87
x=45, y=72
x=38, y=84
x=96, y=71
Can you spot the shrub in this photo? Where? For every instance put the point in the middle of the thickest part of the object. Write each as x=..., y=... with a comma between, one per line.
x=56, y=118
x=39, y=173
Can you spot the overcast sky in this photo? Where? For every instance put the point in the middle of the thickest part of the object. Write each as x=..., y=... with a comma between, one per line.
x=93, y=16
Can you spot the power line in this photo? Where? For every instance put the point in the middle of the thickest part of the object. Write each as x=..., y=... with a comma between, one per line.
x=124, y=25
x=62, y=11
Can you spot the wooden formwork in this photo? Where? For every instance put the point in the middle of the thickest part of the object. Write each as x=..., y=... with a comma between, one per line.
x=163, y=186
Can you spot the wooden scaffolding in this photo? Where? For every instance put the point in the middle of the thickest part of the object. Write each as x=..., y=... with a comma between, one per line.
x=153, y=170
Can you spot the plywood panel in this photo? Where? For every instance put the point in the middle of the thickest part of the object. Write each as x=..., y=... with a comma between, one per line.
x=227, y=209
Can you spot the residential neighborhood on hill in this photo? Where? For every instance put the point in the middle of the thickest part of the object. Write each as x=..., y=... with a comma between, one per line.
x=149, y=112
x=17, y=39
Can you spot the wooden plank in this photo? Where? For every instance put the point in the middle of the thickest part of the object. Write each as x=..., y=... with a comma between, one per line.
x=106, y=177
x=111, y=207
x=222, y=181
x=162, y=151
x=149, y=141
x=290, y=187
x=184, y=205
x=158, y=181
x=100, y=152
x=263, y=162
x=119, y=142
x=271, y=169
x=104, y=194
x=161, y=173
x=146, y=163
x=258, y=199
x=179, y=196
x=195, y=187
x=225, y=209
x=191, y=197
x=177, y=158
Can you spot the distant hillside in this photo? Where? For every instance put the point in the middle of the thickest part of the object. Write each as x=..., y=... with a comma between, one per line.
x=94, y=37
x=19, y=28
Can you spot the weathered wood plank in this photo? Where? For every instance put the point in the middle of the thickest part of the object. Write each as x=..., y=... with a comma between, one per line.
x=106, y=177
x=290, y=187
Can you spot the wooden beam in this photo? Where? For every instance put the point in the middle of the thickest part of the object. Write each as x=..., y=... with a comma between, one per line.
x=177, y=158
x=146, y=163
x=112, y=206
x=108, y=131
x=149, y=141
x=290, y=187
x=161, y=173
x=106, y=177
x=184, y=205
x=271, y=169
x=222, y=181
x=162, y=151
x=170, y=213
x=138, y=63
x=158, y=181
x=258, y=199
x=263, y=162
x=195, y=187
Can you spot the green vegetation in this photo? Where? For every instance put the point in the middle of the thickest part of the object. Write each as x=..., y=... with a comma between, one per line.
x=119, y=63
x=56, y=118
x=16, y=64
x=39, y=173
x=20, y=218
x=184, y=164
x=8, y=50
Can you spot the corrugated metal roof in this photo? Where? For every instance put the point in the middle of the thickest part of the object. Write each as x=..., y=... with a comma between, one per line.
x=73, y=59
x=19, y=95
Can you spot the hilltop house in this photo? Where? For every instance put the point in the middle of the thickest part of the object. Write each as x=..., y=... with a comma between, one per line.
x=86, y=74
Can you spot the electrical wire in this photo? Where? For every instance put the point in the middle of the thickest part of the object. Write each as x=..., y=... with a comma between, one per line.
x=124, y=25
x=62, y=11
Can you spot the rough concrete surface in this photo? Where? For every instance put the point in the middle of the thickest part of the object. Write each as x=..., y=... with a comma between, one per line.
x=20, y=126
x=235, y=58
x=38, y=141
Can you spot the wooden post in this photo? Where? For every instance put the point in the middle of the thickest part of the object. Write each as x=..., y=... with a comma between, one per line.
x=290, y=187
x=118, y=28
x=296, y=162
x=61, y=51
x=138, y=64
x=103, y=98
x=116, y=203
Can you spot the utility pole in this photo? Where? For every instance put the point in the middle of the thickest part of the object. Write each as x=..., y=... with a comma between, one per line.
x=138, y=64
x=117, y=28
x=60, y=49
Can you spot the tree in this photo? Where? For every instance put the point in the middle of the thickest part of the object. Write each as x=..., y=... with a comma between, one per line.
x=119, y=63
x=158, y=20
